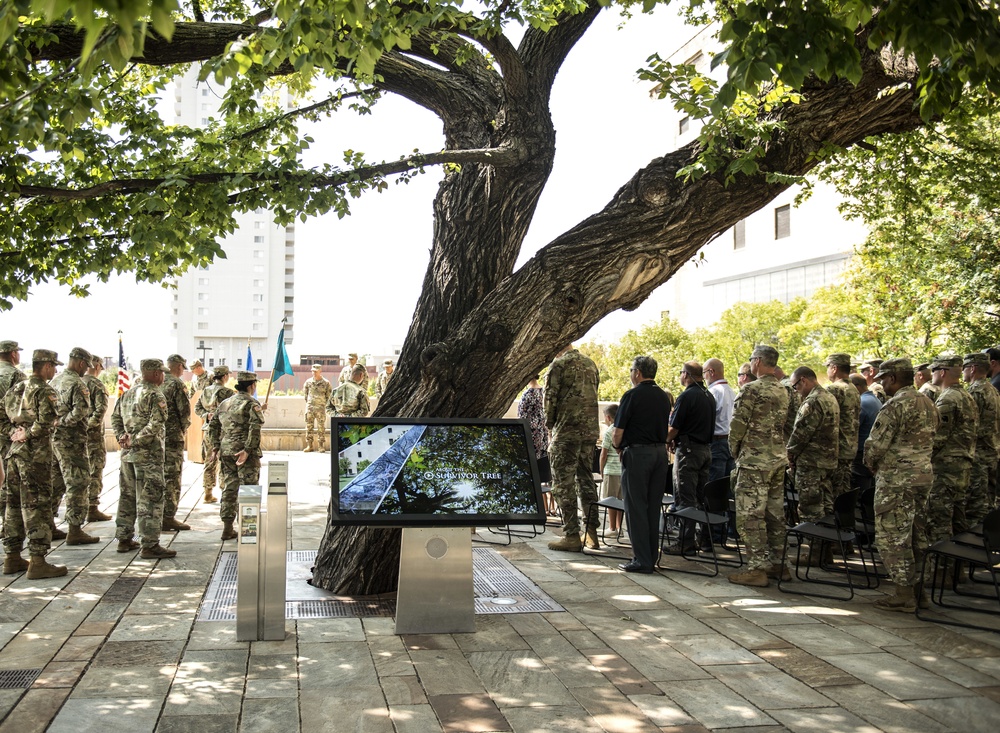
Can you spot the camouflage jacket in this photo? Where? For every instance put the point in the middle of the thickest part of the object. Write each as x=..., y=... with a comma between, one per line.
x=32, y=404
x=141, y=413
x=318, y=392
x=955, y=439
x=9, y=376
x=849, y=403
x=381, y=383
x=345, y=376
x=214, y=395
x=570, y=398
x=815, y=437
x=349, y=400
x=200, y=381
x=73, y=407
x=899, y=446
x=98, y=405
x=178, y=404
x=932, y=391
x=236, y=425
x=763, y=416
x=988, y=401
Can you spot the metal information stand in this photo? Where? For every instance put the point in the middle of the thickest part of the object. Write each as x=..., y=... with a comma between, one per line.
x=436, y=594
x=261, y=556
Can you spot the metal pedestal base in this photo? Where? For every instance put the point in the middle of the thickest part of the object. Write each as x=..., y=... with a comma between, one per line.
x=436, y=594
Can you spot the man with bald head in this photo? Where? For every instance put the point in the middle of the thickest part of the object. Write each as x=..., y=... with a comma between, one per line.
x=722, y=459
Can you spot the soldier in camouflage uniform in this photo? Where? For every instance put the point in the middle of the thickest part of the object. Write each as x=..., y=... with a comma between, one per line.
x=814, y=445
x=95, y=439
x=571, y=417
x=838, y=370
x=71, y=462
x=213, y=395
x=346, y=374
x=868, y=370
x=350, y=399
x=138, y=420
x=383, y=378
x=10, y=357
x=178, y=421
x=31, y=408
x=898, y=452
x=763, y=417
x=201, y=377
x=932, y=388
x=982, y=482
x=235, y=428
x=318, y=391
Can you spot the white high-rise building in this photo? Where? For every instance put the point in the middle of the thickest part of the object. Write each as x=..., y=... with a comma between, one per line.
x=245, y=296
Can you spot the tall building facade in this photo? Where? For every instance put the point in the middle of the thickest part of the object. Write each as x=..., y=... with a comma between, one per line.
x=245, y=297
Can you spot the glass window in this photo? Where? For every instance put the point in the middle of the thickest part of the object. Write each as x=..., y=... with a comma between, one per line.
x=740, y=234
x=202, y=325
x=782, y=222
x=684, y=125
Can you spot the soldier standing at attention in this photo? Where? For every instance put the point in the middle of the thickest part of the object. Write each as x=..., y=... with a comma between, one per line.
x=383, y=379
x=932, y=387
x=982, y=483
x=95, y=438
x=71, y=463
x=235, y=428
x=318, y=391
x=178, y=421
x=10, y=357
x=763, y=417
x=138, y=420
x=346, y=374
x=571, y=417
x=838, y=370
x=201, y=377
x=350, y=399
x=898, y=452
x=868, y=370
x=31, y=408
x=213, y=395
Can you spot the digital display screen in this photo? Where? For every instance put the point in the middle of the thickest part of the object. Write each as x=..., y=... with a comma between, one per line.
x=434, y=471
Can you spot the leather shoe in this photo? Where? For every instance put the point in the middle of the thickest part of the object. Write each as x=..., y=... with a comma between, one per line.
x=676, y=549
x=634, y=567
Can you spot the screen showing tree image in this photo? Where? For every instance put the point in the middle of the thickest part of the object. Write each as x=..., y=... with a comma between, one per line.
x=433, y=472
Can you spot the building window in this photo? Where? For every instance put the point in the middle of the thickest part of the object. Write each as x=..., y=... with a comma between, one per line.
x=204, y=92
x=258, y=326
x=258, y=284
x=203, y=281
x=684, y=125
x=258, y=298
x=258, y=239
x=258, y=311
x=258, y=268
x=258, y=363
x=740, y=234
x=239, y=363
x=222, y=361
x=202, y=326
x=782, y=222
x=202, y=311
x=211, y=362
x=202, y=296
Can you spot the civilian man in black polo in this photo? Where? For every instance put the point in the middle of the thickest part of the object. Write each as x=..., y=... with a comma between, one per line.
x=641, y=437
x=692, y=425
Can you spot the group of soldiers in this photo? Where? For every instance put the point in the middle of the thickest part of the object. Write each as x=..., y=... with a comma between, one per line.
x=349, y=399
x=52, y=445
x=933, y=453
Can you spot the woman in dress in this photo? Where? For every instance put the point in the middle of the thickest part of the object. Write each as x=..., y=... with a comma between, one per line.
x=531, y=408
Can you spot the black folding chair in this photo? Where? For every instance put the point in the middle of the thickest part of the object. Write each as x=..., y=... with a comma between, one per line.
x=714, y=513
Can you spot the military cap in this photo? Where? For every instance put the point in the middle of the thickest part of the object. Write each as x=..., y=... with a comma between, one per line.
x=246, y=377
x=352, y=355
x=839, y=360
x=978, y=359
x=870, y=364
x=96, y=360
x=196, y=362
x=764, y=351
x=924, y=365
x=152, y=365
x=46, y=355
x=317, y=367
x=221, y=371
x=894, y=366
x=946, y=361
x=177, y=359
x=387, y=362
x=7, y=347
x=78, y=353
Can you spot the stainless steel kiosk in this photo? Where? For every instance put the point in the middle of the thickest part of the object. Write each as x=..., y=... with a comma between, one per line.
x=436, y=594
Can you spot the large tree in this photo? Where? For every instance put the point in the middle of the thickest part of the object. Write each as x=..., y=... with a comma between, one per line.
x=95, y=182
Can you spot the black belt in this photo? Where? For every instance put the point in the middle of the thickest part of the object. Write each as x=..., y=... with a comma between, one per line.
x=721, y=437
x=645, y=445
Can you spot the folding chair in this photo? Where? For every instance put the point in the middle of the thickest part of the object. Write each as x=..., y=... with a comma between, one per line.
x=714, y=514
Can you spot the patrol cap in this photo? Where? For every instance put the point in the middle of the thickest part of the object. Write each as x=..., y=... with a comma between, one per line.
x=246, y=377
x=177, y=359
x=221, y=371
x=764, y=352
x=46, y=355
x=387, y=362
x=152, y=365
x=894, y=366
x=7, y=347
x=317, y=367
x=946, y=361
x=978, y=359
x=96, y=361
x=839, y=360
x=196, y=362
x=352, y=355
x=82, y=354
x=870, y=364
x=921, y=367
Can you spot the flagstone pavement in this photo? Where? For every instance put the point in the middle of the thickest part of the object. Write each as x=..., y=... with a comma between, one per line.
x=629, y=654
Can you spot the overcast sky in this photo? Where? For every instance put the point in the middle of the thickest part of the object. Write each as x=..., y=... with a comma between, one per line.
x=357, y=279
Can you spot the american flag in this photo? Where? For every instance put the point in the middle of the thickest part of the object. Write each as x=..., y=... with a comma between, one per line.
x=124, y=381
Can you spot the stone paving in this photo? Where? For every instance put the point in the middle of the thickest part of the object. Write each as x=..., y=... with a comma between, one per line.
x=120, y=650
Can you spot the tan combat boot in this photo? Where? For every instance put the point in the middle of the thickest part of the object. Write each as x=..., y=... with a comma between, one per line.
x=57, y=534
x=920, y=596
x=38, y=568
x=322, y=446
x=156, y=552
x=77, y=536
x=170, y=524
x=569, y=543
x=309, y=446
x=14, y=564
x=96, y=515
x=755, y=578
x=209, y=498
x=127, y=545
x=228, y=532
x=590, y=539
x=902, y=601
x=779, y=572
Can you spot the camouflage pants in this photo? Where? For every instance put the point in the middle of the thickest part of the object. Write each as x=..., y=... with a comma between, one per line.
x=840, y=479
x=316, y=425
x=173, y=462
x=29, y=501
x=233, y=477
x=572, y=461
x=900, y=528
x=815, y=492
x=946, y=502
x=140, y=499
x=4, y=447
x=760, y=516
x=98, y=461
x=210, y=459
x=977, y=498
x=71, y=477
